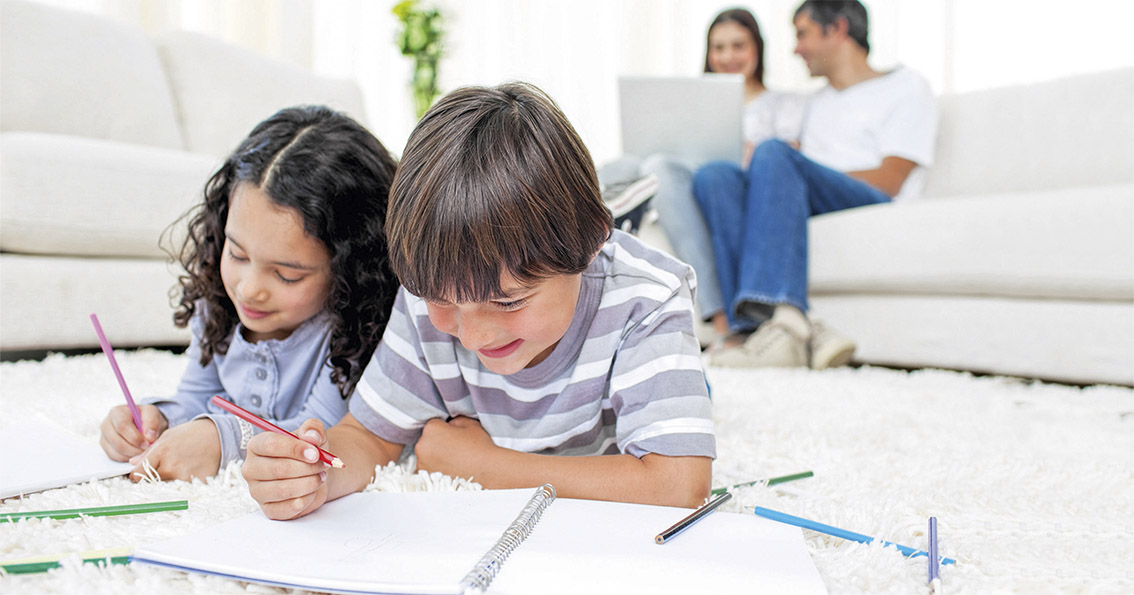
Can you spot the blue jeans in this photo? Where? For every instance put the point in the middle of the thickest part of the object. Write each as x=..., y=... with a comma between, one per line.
x=679, y=217
x=759, y=219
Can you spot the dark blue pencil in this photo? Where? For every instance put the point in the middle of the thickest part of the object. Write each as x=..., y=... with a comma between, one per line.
x=688, y=521
x=837, y=532
x=934, y=577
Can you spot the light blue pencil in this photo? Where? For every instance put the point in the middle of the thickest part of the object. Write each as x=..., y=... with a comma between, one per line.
x=783, y=517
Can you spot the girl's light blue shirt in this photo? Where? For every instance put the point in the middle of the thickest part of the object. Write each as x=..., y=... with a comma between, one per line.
x=283, y=381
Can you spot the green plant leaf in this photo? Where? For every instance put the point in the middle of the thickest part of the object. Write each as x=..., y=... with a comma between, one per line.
x=421, y=38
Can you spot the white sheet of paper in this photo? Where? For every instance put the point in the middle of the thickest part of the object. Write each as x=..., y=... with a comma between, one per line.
x=427, y=542
x=609, y=547
x=41, y=455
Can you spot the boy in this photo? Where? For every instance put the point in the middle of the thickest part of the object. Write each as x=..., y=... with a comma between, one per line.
x=525, y=328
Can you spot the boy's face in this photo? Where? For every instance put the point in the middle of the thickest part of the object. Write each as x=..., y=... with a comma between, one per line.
x=514, y=332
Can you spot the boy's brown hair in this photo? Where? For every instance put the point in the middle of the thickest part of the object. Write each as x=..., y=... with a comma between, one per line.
x=494, y=180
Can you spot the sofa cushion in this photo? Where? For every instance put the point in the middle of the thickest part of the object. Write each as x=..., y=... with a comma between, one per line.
x=72, y=73
x=1071, y=243
x=85, y=197
x=223, y=91
x=48, y=300
x=1076, y=131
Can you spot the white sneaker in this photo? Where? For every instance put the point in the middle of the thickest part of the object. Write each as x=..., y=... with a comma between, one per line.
x=829, y=348
x=781, y=342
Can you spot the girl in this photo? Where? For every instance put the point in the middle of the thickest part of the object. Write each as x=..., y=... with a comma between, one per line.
x=287, y=290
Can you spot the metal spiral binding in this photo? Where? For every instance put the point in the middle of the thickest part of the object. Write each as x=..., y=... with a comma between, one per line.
x=477, y=580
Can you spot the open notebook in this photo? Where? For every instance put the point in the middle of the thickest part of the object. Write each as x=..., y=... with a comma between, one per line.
x=453, y=542
x=40, y=455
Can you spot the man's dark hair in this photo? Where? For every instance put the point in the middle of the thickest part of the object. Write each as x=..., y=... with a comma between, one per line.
x=828, y=12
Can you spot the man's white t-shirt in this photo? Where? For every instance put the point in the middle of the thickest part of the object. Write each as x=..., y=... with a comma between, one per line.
x=893, y=115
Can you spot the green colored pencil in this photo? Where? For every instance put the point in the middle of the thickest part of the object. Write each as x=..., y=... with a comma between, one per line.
x=10, y=517
x=34, y=565
x=771, y=482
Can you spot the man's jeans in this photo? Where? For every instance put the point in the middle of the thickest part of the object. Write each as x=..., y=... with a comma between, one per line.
x=759, y=225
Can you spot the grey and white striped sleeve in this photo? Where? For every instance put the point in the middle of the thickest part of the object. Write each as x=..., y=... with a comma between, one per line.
x=396, y=394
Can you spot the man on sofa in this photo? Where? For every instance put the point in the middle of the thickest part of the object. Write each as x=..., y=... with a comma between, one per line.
x=867, y=138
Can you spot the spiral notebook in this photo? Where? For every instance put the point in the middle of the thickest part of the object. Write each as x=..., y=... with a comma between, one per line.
x=495, y=541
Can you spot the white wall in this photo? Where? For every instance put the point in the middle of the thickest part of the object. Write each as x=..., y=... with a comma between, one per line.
x=575, y=49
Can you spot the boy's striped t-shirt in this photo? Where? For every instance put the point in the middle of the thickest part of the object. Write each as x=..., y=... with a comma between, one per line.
x=625, y=378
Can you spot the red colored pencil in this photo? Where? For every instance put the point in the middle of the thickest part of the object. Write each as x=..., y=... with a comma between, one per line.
x=268, y=426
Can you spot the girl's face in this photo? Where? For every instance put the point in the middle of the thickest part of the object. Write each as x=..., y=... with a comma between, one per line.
x=276, y=274
x=514, y=332
x=732, y=50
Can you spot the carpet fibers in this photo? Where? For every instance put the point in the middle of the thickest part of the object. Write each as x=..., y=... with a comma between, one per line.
x=1032, y=483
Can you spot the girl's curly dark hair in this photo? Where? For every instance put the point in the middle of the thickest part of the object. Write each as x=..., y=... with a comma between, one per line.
x=337, y=176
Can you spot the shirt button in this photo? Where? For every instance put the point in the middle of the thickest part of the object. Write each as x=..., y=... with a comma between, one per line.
x=255, y=400
x=261, y=374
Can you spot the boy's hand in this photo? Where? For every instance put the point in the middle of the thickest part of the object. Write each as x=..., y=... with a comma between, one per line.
x=119, y=436
x=285, y=475
x=458, y=447
x=186, y=451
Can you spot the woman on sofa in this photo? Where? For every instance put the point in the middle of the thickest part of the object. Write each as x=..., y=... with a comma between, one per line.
x=734, y=45
x=287, y=290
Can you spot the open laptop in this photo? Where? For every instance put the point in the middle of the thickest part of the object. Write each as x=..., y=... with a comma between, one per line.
x=695, y=119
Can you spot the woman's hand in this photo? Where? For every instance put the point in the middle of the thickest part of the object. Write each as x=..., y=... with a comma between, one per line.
x=748, y=150
x=119, y=437
x=186, y=451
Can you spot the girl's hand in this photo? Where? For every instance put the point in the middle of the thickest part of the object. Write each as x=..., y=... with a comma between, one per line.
x=285, y=475
x=119, y=436
x=457, y=448
x=186, y=451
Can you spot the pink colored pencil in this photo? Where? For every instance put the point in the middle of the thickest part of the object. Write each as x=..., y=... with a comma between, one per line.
x=109, y=351
x=268, y=426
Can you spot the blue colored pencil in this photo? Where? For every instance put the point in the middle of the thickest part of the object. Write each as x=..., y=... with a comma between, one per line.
x=840, y=533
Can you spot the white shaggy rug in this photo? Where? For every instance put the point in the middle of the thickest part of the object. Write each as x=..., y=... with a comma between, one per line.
x=1032, y=484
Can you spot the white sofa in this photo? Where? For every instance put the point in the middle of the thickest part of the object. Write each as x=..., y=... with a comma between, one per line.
x=107, y=136
x=1018, y=260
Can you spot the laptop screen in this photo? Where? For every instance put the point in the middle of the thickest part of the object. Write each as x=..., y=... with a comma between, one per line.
x=694, y=119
